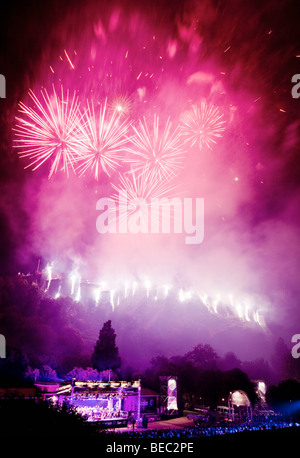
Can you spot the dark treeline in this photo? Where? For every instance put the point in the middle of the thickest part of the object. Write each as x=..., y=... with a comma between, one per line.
x=27, y=418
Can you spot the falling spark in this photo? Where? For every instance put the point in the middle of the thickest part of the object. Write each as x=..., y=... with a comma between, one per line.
x=78, y=295
x=134, y=286
x=181, y=295
x=240, y=312
x=97, y=294
x=215, y=303
x=75, y=279
x=49, y=275
x=111, y=296
x=166, y=290
x=69, y=60
x=247, y=313
x=147, y=284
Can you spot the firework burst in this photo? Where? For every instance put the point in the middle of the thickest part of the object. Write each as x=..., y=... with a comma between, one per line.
x=202, y=124
x=101, y=141
x=157, y=151
x=46, y=132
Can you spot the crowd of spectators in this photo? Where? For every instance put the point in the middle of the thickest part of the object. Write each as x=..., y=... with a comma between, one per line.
x=207, y=431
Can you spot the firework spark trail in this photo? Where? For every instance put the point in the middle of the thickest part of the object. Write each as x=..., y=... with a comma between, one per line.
x=241, y=307
x=48, y=130
x=101, y=140
x=140, y=195
x=202, y=124
x=157, y=150
x=49, y=275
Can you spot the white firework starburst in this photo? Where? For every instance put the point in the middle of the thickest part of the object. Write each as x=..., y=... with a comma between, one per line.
x=141, y=195
x=202, y=124
x=47, y=130
x=101, y=141
x=156, y=150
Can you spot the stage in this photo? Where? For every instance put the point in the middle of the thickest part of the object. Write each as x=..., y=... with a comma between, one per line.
x=110, y=404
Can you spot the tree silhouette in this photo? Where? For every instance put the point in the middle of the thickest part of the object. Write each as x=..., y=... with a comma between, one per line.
x=203, y=356
x=106, y=353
